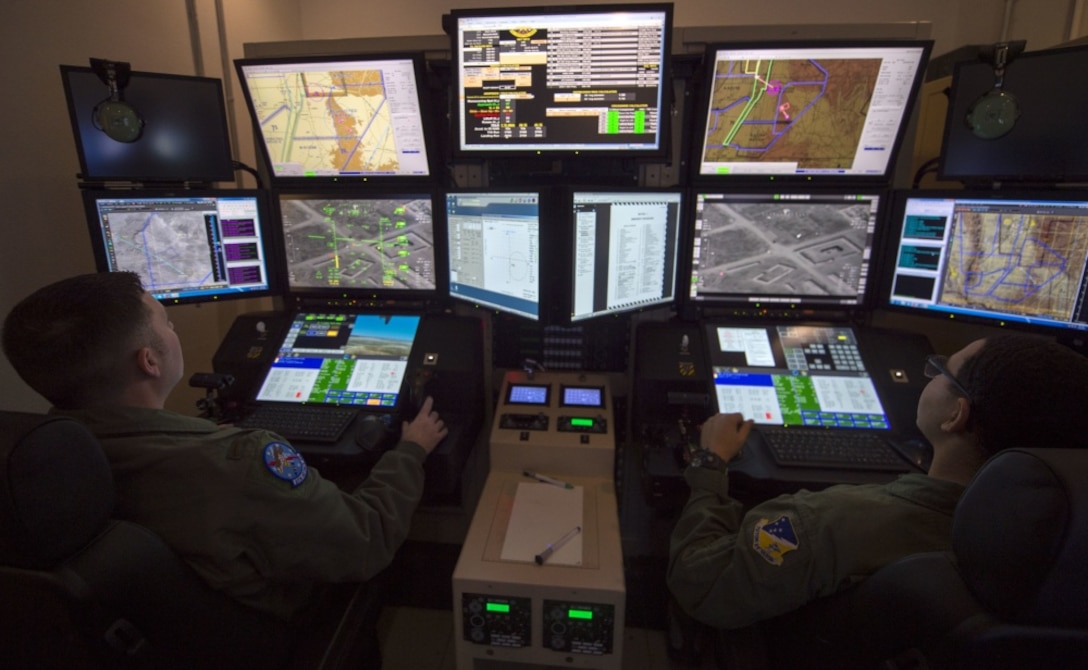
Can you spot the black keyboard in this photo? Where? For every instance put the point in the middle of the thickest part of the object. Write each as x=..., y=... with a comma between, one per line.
x=305, y=424
x=831, y=449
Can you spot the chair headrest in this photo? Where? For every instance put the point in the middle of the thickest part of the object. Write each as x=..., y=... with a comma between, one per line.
x=56, y=488
x=1021, y=536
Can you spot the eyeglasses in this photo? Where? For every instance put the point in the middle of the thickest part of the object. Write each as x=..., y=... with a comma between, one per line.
x=937, y=365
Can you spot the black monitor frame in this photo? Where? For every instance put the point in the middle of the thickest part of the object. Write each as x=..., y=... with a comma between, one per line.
x=424, y=153
x=701, y=170
x=675, y=200
x=850, y=252
x=411, y=291
x=529, y=18
x=1044, y=109
x=904, y=292
x=185, y=138
x=106, y=258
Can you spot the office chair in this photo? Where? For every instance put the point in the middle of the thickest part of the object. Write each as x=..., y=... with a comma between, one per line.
x=81, y=589
x=1012, y=592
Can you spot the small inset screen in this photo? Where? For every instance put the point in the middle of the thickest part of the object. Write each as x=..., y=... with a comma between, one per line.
x=527, y=394
x=583, y=396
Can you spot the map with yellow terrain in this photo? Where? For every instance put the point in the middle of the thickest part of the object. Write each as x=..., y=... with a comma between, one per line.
x=1016, y=263
x=326, y=122
x=793, y=111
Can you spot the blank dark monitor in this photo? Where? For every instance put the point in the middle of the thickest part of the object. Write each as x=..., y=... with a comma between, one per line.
x=783, y=249
x=1044, y=142
x=350, y=118
x=561, y=80
x=807, y=110
x=372, y=244
x=494, y=250
x=996, y=258
x=184, y=139
x=625, y=250
x=186, y=246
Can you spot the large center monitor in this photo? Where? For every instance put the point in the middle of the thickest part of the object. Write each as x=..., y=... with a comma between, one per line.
x=625, y=247
x=184, y=137
x=997, y=258
x=494, y=250
x=561, y=80
x=340, y=118
x=817, y=110
x=783, y=249
x=186, y=246
x=354, y=244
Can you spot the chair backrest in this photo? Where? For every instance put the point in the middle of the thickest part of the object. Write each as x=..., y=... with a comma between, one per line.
x=1011, y=593
x=96, y=591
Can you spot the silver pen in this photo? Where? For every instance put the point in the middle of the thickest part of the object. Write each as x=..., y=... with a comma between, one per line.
x=555, y=546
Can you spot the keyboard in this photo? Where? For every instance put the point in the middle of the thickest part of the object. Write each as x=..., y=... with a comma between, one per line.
x=305, y=424
x=831, y=449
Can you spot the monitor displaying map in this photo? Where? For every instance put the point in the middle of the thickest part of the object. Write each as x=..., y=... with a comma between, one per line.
x=783, y=249
x=813, y=111
x=1004, y=259
x=186, y=246
x=339, y=118
x=359, y=244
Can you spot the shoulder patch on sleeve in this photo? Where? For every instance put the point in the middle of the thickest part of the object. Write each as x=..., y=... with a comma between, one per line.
x=285, y=463
x=774, y=539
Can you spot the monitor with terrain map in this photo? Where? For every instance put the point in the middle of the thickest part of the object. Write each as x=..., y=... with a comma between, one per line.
x=1004, y=259
x=783, y=250
x=345, y=119
x=365, y=245
x=186, y=246
x=814, y=111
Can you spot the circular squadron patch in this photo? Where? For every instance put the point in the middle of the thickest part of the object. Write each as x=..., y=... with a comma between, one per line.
x=283, y=461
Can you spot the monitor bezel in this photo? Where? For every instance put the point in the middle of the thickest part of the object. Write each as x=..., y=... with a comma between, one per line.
x=91, y=196
x=959, y=101
x=224, y=163
x=704, y=78
x=896, y=214
x=807, y=307
x=377, y=180
x=571, y=241
x=304, y=298
x=467, y=150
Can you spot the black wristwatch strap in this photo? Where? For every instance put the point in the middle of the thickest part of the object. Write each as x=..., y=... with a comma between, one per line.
x=707, y=460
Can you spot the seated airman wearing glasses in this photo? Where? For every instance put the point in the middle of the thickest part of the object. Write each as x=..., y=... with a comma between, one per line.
x=730, y=567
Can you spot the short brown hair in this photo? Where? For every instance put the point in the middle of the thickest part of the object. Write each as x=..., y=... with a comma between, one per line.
x=68, y=340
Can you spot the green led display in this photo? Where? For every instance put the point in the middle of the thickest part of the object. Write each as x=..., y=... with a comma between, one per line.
x=581, y=423
x=580, y=614
x=498, y=607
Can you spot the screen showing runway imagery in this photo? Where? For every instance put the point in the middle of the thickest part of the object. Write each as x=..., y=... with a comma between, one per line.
x=808, y=110
x=797, y=248
x=374, y=242
x=338, y=118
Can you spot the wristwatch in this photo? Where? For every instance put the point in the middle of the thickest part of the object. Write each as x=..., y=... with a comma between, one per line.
x=707, y=460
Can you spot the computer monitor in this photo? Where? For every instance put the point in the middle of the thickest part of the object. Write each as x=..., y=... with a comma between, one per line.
x=184, y=138
x=186, y=246
x=624, y=254
x=1036, y=111
x=494, y=250
x=785, y=249
x=341, y=359
x=589, y=79
x=794, y=375
x=351, y=118
x=367, y=245
x=996, y=258
x=819, y=111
